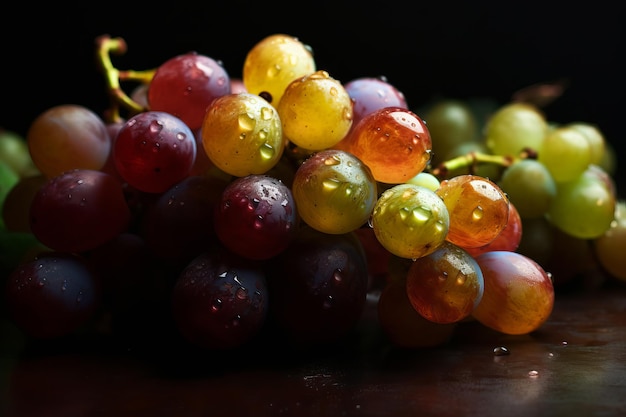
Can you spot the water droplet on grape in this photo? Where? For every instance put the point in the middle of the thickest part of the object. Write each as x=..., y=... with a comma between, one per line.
x=156, y=126
x=328, y=302
x=267, y=113
x=331, y=184
x=247, y=122
x=477, y=214
x=333, y=160
x=217, y=305
x=181, y=136
x=422, y=214
x=461, y=278
x=267, y=151
x=241, y=293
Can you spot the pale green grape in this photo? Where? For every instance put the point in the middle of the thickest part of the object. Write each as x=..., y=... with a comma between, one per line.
x=597, y=142
x=583, y=208
x=566, y=153
x=515, y=127
x=425, y=179
x=530, y=186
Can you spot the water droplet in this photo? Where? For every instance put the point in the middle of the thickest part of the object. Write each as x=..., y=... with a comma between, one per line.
x=267, y=151
x=422, y=214
x=501, y=351
x=328, y=302
x=241, y=293
x=533, y=374
x=333, y=160
x=217, y=305
x=461, y=278
x=331, y=184
x=181, y=136
x=477, y=214
x=337, y=276
x=156, y=126
x=246, y=122
x=267, y=113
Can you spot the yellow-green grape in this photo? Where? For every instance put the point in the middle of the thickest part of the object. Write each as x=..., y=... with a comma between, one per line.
x=566, y=153
x=530, y=186
x=242, y=134
x=425, y=179
x=334, y=192
x=14, y=152
x=584, y=207
x=597, y=142
x=316, y=111
x=274, y=62
x=410, y=221
x=515, y=127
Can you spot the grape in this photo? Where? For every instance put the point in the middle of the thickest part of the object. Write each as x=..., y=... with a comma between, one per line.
x=373, y=93
x=178, y=226
x=8, y=180
x=14, y=152
x=274, y=62
x=185, y=86
x=426, y=179
x=583, y=207
x=15, y=218
x=508, y=239
x=608, y=247
x=220, y=300
x=403, y=325
x=53, y=295
x=154, y=150
x=256, y=217
x=446, y=285
x=515, y=127
x=529, y=184
x=318, y=287
x=595, y=138
x=451, y=123
x=315, y=111
x=242, y=134
x=393, y=142
x=67, y=137
x=79, y=210
x=566, y=153
x=334, y=192
x=518, y=294
x=478, y=209
x=410, y=221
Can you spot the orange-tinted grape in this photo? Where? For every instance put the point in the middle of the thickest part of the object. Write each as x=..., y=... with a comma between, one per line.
x=315, y=111
x=242, y=134
x=393, y=142
x=334, y=192
x=508, y=239
x=410, y=221
x=479, y=209
x=446, y=285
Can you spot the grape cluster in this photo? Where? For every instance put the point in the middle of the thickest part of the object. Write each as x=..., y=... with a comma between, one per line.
x=223, y=208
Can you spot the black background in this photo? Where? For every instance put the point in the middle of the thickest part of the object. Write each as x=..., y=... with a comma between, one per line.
x=427, y=49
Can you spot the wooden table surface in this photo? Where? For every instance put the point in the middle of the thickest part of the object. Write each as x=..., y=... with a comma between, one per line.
x=575, y=365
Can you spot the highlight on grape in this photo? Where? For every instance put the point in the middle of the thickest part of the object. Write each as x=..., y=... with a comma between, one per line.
x=221, y=210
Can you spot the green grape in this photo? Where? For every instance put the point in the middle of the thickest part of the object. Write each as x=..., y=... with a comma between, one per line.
x=451, y=123
x=410, y=221
x=530, y=186
x=609, y=247
x=566, y=153
x=583, y=208
x=273, y=63
x=597, y=142
x=8, y=179
x=334, y=192
x=242, y=134
x=515, y=127
x=14, y=152
x=315, y=111
x=425, y=179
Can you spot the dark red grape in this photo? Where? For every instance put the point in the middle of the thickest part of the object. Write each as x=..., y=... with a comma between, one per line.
x=53, y=295
x=256, y=217
x=154, y=150
x=318, y=287
x=220, y=300
x=178, y=226
x=79, y=210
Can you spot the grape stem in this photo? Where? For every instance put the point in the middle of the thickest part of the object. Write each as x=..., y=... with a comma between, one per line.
x=472, y=159
x=105, y=46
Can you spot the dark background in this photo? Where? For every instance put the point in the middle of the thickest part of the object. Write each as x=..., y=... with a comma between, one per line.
x=427, y=49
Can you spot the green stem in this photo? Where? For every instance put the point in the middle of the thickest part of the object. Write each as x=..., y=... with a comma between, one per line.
x=105, y=46
x=469, y=160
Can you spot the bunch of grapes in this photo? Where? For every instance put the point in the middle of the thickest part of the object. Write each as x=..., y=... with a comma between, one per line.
x=215, y=210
